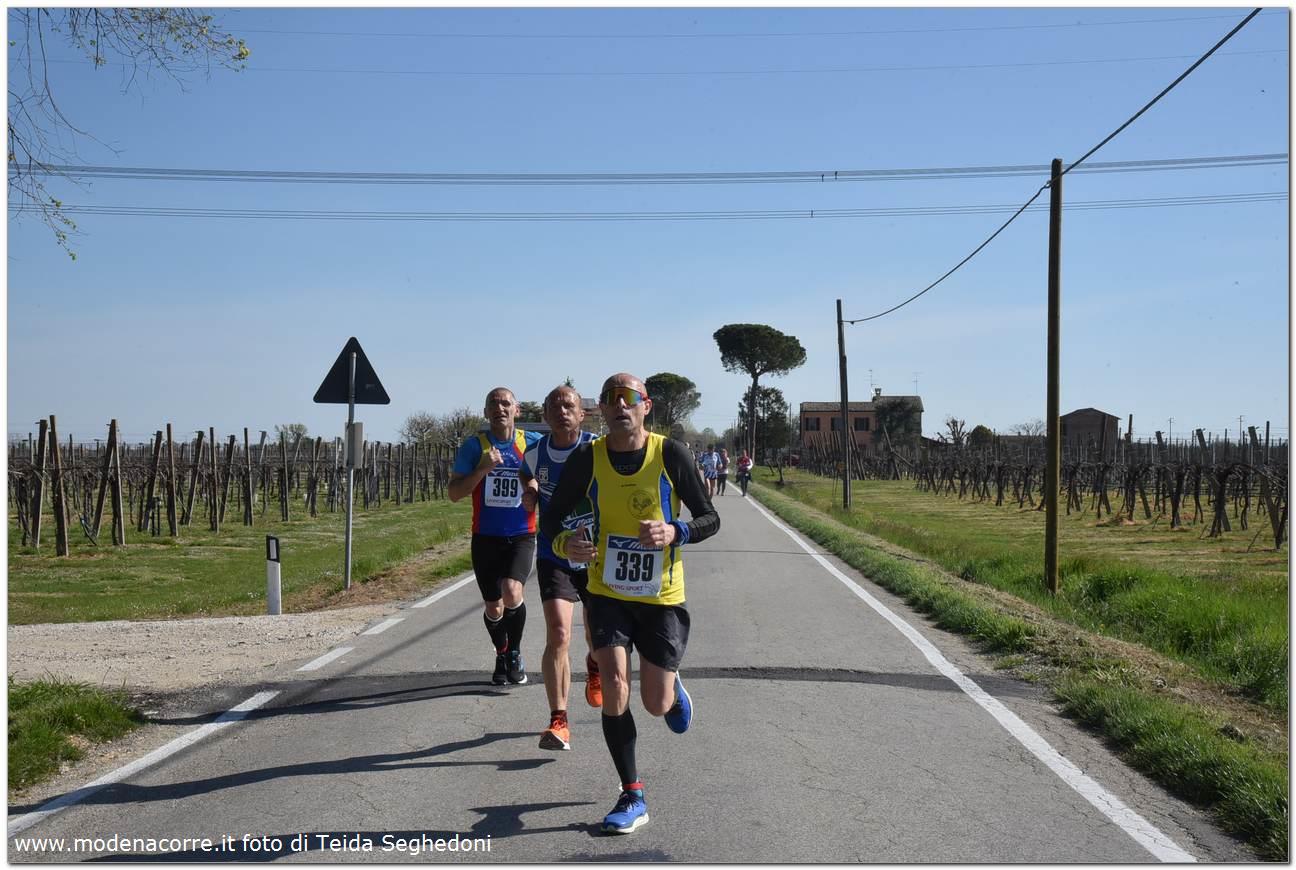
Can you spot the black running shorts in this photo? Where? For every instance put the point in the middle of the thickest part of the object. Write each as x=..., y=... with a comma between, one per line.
x=496, y=558
x=558, y=581
x=659, y=631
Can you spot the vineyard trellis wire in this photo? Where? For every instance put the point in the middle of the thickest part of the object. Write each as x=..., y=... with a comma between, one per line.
x=1152, y=477
x=161, y=486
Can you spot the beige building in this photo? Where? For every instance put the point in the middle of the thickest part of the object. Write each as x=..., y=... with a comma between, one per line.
x=818, y=419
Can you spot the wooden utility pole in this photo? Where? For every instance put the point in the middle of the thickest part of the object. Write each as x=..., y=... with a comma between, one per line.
x=845, y=406
x=1054, y=458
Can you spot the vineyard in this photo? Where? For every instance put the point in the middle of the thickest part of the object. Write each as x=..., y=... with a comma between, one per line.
x=1238, y=482
x=160, y=487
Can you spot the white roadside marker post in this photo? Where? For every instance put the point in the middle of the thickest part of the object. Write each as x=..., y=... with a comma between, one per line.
x=274, y=604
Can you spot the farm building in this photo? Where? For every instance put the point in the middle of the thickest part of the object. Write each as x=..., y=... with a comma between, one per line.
x=819, y=419
x=1084, y=427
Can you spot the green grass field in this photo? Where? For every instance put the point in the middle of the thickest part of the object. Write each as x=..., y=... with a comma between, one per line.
x=1208, y=602
x=201, y=573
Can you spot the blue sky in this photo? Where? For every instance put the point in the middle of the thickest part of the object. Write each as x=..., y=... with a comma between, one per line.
x=1168, y=312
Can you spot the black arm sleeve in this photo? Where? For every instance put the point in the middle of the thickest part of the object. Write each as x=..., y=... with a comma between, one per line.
x=576, y=474
x=705, y=521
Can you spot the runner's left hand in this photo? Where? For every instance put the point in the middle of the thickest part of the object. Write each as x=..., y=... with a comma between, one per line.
x=656, y=534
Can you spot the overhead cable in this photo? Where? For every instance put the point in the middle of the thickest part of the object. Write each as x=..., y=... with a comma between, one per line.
x=254, y=68
x=632, y=178
x=1090, y=152
x=755, y=214
x=733, y=34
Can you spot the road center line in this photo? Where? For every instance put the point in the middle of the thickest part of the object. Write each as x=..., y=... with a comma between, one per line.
x=234, y=714
x=1140, y=829
x=326, y=658
x=462, y=581
x=383, y=626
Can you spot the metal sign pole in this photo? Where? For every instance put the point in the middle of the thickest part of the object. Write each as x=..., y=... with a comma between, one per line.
x=350, y=468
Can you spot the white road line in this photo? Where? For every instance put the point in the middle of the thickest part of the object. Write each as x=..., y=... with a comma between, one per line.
x=444, y=592
x=383, y=626
x=326, y=658
x=234, y=714
x=1144, y=832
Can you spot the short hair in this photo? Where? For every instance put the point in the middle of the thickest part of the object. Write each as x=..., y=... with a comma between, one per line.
x=495, y=390
x=561, y=388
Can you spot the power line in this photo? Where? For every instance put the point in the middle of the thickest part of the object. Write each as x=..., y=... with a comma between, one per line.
x=713, y=72
x=1090, y=152
x=757, y=214
x=738, y=35
x=628, y=178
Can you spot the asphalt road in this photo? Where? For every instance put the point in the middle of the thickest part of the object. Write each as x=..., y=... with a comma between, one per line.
x=823, y=732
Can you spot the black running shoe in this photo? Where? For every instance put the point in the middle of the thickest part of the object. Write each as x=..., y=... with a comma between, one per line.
x=516, y=670
x=501, y=669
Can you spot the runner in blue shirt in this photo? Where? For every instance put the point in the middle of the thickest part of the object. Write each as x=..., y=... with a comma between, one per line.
x=503, y=530
x=562, y=583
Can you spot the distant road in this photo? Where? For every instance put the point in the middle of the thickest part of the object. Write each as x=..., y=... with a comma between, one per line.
x=832, y=724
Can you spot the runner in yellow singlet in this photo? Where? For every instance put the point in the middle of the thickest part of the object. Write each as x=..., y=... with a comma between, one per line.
x=635, y=480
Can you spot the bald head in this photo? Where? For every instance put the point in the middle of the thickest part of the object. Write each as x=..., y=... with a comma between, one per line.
x=624, y=379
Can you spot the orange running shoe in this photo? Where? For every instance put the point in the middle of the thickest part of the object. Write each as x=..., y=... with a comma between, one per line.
x=593, y=683
x=557, y=735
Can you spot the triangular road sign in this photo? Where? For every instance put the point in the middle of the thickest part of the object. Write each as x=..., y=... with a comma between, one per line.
x=368, y=389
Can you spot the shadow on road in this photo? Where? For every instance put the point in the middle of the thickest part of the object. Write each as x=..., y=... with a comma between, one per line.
x=124, y=793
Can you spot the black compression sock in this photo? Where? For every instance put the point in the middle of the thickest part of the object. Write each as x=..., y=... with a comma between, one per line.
x=620, y=734
x=515, y=621
x=498, y=631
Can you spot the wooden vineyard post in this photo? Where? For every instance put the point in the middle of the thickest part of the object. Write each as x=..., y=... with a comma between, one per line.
x=38, y=482
x=193, y=480
x=247, y=479
x=229, y=472
x=171, y=484
x=147, y=501
x=103, y=482
x=119, y=513
x=214, y=506
x=60, y=506
x=283, y=481
x=261, y=471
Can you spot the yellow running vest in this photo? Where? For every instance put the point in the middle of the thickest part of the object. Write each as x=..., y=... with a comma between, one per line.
x=622, y=567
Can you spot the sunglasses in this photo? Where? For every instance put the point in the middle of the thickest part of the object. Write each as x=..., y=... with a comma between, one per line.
x=629, y=395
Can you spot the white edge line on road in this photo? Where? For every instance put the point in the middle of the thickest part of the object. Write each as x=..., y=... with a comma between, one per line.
x=1144, y=832
x=383, y=626
x=444, y=592
x=229, y=717
x=326, y=658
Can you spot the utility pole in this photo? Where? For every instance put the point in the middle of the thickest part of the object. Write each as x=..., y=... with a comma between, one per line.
x=1054, y=457
x=1170, y=431
x=846, y=445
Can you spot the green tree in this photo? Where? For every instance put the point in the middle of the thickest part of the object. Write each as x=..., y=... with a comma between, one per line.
x=980, y=438
x=757, y=350
x=42, y=140
x=774, y=432
x=900, y=418
x=674, y=398
x=530, y=412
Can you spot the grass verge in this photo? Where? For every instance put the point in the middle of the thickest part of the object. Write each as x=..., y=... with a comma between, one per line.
x=1191, y=749
x=205, y=573
x=50, y=721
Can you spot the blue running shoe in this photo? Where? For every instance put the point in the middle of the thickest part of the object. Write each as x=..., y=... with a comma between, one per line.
x=680, y=714
x=630, y=812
